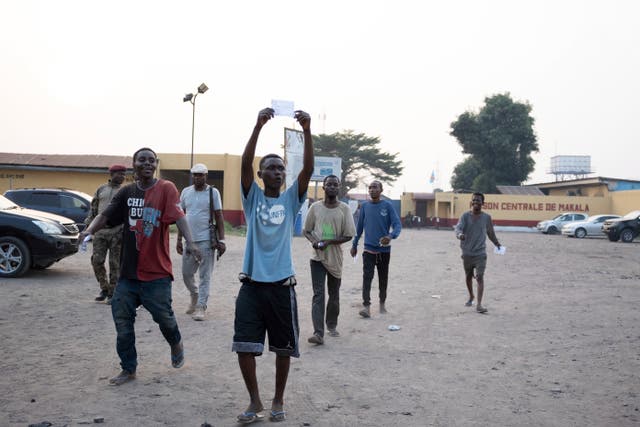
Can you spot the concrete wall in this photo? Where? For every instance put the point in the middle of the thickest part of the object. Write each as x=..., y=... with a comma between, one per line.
x=623, y=202
x=527, y=210
x=25, y=178
x=228, y=164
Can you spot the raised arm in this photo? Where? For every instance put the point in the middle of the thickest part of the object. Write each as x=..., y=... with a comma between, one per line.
x=307, y=160
x=246, y=176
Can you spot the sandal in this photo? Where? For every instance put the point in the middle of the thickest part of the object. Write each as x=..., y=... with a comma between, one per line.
x=277, y=416
x=247, y=417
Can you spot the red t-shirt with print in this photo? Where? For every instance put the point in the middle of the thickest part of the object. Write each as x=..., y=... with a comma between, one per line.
x=147, y=215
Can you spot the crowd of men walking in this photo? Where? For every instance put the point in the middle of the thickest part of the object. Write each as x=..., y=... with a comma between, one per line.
x=132, y=222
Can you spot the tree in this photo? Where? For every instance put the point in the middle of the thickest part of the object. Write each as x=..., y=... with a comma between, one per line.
x=464, y=173
x=361, y=158
x=499, y=140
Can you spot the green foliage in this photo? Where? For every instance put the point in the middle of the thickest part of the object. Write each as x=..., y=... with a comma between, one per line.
x=361, y=158
x=230, y=230
x=499, y=140
x=464, y=173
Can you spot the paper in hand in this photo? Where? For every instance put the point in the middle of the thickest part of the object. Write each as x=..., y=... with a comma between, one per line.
x=282, y=108
x=500, y=250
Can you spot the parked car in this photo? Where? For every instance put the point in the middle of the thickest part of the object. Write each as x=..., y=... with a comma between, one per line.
x=67, y=203
x=626, y=228
x=33, y=239
x=592, y=226
x=554, y=225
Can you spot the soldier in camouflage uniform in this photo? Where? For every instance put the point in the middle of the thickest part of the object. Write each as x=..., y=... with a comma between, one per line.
x=108, y=239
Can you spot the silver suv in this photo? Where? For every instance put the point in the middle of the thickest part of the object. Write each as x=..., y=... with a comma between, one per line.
x=554, y=225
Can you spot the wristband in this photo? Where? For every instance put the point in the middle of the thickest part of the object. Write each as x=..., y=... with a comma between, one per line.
x=221, y=241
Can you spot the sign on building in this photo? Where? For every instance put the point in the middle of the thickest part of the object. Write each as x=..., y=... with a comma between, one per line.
x=325, y=166
x=294, y=150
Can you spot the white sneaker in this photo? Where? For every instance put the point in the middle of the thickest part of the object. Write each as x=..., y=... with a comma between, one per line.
x=198, y=313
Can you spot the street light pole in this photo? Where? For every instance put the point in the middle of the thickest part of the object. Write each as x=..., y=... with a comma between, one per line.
x=193, y=127
x=190, y=97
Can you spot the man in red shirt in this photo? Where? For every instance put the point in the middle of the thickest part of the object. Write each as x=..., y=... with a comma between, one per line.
x=147, y=208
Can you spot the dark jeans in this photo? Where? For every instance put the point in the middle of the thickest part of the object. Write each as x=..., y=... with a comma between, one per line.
x=155, y=296
x=318, y=274
x=369, y=262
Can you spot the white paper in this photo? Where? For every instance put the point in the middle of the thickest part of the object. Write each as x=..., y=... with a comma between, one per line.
x=83, y=245
x=500, y=250
x=282, y=108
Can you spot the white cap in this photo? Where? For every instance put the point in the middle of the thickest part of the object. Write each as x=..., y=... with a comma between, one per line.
x=199, y=168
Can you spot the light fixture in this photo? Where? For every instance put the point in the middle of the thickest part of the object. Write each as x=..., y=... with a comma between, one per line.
x=190, y=97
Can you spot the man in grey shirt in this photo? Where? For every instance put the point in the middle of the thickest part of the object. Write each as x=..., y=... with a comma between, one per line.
x=472, y=230
x=201, y=203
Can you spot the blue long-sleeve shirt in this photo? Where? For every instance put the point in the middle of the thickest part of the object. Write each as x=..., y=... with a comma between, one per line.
x=377, y=220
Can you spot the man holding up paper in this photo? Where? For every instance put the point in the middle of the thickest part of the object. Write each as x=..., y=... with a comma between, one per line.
x=472, y=230
x=266, y=302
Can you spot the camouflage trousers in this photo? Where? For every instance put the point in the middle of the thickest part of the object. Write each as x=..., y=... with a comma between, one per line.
x=107, y=240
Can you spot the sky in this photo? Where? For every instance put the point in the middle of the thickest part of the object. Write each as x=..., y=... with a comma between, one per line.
x=84, y=77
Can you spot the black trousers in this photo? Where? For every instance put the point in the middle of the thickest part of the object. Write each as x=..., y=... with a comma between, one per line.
x=370, y=262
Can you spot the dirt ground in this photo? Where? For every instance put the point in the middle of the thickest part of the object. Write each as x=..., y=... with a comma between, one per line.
x=560, y=345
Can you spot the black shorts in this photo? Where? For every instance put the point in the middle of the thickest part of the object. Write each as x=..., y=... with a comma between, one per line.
x=266, y=308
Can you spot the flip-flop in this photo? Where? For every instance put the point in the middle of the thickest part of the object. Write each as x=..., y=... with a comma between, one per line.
x=248, y=417
x=277, y=416
x=468, y=303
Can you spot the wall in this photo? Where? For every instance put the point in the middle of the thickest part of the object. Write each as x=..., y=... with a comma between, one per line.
x=623, y=202
x=529, y=210
x=517, y=210
x=81, y=181
x=229, y=164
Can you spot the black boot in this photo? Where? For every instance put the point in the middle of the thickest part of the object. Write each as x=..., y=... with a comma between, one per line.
x=102, y=296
